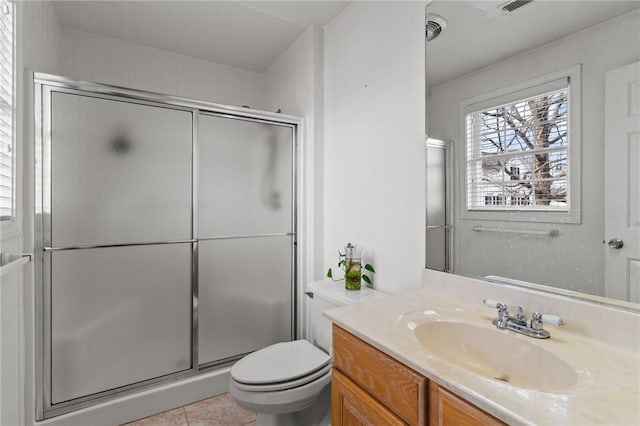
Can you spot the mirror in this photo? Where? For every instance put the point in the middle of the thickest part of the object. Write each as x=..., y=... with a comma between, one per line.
x=526, y=102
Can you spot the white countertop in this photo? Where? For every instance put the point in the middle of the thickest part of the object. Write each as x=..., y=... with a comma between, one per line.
x=607, y=391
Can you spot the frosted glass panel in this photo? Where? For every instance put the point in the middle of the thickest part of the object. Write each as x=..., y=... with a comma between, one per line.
x=436, y=238
x=436, y=249
x=436, y=186
x=119, y=315
x=121, y=172
x=244, y=295
x=245, y=177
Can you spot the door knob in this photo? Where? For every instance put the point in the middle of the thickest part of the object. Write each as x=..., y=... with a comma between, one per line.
x=615, y=243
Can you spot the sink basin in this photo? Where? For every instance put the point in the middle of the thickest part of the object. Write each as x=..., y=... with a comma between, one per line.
x=496, y=354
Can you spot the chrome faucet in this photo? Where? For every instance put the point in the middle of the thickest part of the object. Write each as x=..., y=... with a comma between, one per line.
x=518, y=322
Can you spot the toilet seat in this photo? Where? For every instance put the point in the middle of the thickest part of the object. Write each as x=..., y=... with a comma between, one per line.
x=285, y=401
x=281, y=366
x=284, y=385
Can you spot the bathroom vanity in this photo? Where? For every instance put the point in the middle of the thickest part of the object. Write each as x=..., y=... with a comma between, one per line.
x=434, y=357
x=370, y=387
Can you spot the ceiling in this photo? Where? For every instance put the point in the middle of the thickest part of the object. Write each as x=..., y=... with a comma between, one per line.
x=478, y=33
x=245, y=34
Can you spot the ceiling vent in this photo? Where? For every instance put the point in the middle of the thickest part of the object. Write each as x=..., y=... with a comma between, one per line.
x=513, y=5
x=434, y=26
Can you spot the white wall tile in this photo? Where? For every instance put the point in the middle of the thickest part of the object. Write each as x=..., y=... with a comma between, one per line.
x=109, y=60
x=112, y=61
x=190, y=78
x=39, y=48
x=41, y=39
x=81, y=64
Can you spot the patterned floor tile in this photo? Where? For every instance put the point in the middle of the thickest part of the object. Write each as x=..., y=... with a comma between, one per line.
x=176, y=417
x=218, y=411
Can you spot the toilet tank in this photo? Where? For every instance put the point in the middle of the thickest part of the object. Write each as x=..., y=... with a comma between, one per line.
x=329, y=295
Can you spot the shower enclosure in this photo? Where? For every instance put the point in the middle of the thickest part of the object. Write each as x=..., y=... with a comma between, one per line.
x=439, y=250
x=165, y=238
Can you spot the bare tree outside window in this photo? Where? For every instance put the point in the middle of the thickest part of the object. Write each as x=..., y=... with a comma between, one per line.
x=518, y=154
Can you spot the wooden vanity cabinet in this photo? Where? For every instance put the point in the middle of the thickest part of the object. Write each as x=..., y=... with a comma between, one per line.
x=447, y=409
x=351, y=405
x=372, y=388
x=357, y=364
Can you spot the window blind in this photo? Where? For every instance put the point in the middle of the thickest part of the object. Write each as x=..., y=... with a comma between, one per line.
x=6, y=110
x=517, y=154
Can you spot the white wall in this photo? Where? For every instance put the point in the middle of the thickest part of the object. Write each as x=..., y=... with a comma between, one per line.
x=374, y=161
x=294, y=84
x=574, y=260
x=93, y=57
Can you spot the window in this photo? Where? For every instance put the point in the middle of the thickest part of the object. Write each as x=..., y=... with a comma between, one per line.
x=521, y=151
x=517, y=154
x=6, y=111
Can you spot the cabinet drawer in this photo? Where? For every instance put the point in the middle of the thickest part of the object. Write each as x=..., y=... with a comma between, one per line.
x=399, y=388
x=351, y=406
x=447, y=409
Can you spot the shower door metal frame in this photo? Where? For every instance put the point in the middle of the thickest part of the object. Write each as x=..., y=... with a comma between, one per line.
x=44, y=85
x=293, y=234
x=448, y=227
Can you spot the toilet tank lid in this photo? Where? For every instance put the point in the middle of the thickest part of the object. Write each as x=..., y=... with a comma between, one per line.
x=335, y=293
x=280, y=362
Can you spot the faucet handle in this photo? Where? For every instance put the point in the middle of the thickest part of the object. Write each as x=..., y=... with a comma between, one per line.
x=537, y=319
x=490, y=303
x=552, y=319
x=503, y=311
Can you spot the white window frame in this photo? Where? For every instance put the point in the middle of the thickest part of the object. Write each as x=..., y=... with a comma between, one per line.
x=514, y=93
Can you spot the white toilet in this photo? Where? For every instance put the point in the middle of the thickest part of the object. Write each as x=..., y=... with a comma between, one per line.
x=287, y=384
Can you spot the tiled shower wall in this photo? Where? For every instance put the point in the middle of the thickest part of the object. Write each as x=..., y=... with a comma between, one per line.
x=38, y=46
x=97, y=58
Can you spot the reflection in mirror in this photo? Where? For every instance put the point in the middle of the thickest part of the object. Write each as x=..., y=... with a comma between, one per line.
x=541, y=107
x=439, y=211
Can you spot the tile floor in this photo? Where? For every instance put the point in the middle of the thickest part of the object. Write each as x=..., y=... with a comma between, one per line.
x=217, y=411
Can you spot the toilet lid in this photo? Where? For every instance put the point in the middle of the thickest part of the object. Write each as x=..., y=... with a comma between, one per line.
x=274, y=387
x=281, y=362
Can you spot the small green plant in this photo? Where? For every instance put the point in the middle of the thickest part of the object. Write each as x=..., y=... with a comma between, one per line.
x=351, y=263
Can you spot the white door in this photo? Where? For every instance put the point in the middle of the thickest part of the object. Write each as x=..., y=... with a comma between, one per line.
x=622, y=183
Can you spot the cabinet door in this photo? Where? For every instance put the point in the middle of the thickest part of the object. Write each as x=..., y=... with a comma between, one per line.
x=391, y=382
x=447, y=409
x=352, y=406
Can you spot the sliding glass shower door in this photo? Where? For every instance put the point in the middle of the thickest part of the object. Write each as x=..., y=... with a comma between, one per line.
x=164, y=239
x=119, y=287
x=245, y=236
